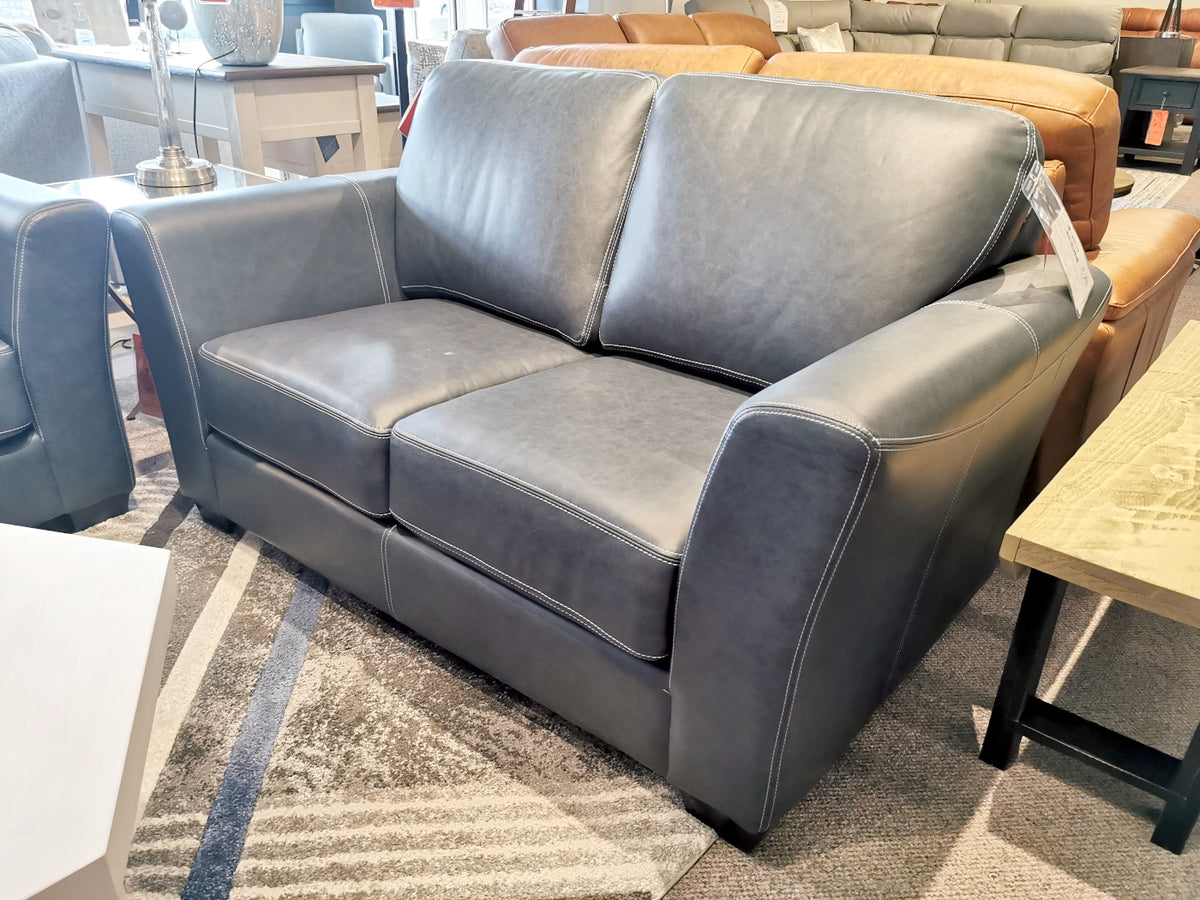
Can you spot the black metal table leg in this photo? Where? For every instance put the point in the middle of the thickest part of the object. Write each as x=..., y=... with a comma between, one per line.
x=1183, y=807
x=1023, y=668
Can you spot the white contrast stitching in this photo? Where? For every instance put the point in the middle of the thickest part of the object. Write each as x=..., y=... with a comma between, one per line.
x=1037, y=347
x=500, y=309
x=713, y=368
x=814, y=607
x=181, y=332
x=362, y=195
x=387, y=575
x=519, y=585
x=15, y=430
x=7, y=351
x=294, y=394
x=912, y=612
x=303, y=476
x=610, y=251
x=537, y=493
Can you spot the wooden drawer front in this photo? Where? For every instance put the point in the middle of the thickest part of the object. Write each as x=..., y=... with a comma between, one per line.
x=1167, y=94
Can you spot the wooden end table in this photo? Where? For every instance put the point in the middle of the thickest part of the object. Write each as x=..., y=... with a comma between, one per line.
x=1145, y=89
x=1122, y=518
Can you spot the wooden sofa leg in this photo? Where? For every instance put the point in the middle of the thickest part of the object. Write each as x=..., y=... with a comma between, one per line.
x=726, y=829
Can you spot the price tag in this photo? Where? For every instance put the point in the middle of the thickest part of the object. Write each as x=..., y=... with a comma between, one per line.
x=1057, y=224
x=779, y=16
x=1157, y=128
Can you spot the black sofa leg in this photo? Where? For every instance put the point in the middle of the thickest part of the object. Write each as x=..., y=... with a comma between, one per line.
x=216, y=520
x=726, y=829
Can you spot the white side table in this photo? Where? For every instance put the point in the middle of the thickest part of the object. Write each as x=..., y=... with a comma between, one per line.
x=83, y=632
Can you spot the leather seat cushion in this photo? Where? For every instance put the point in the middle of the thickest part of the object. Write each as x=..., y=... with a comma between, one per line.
x=15, y=414
x=1142, y=248
x=318, y=396
x=575, y=486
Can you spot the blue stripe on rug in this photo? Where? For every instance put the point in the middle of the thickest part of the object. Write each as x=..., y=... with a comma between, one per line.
x=211, y=877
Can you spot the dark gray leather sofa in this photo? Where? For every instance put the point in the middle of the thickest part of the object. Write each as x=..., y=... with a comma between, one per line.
x=699, y=450
x=64, y=462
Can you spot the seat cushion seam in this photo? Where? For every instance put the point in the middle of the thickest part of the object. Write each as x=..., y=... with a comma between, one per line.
x=287, y=391
x=709, y=366
x=521, y=586
x=588, y=517
x=500, y=309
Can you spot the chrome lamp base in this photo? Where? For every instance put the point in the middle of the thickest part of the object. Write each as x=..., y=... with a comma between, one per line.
x=174, y=172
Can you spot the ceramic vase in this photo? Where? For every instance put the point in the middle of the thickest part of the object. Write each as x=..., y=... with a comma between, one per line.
x=251, y=29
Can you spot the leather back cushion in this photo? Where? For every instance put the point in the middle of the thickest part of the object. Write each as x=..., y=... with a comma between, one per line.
x=972, y=47
x=512, y=185
x=662, y=59
x=659, y=28
x=978, y=20
x=731, y=28
x=876, y=42
x=1077, y=117
x=512, y=36
x=898, y=18
x=738, y=266
x=1087, y=57
x=1069, y=22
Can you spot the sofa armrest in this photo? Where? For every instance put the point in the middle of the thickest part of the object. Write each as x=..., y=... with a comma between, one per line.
x=206, y=265
x=851, y=510
x=53, y=313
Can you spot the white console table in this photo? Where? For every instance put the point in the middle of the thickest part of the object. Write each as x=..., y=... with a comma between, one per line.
x=83, y=631
x=295, y=97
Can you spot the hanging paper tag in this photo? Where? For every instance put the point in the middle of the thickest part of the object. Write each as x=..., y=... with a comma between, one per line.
x=779, y=16
x=1057, y=224
x=1157, y=127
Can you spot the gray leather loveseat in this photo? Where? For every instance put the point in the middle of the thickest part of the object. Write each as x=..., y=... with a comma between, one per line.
x=699, y=450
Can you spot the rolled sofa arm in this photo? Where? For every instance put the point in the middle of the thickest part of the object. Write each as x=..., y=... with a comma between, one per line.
x=203, y=266
x=852, y=509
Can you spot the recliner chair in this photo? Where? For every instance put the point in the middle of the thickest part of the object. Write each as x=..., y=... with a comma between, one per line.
x=64, y=460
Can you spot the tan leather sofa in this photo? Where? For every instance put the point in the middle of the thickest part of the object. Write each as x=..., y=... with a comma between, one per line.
x=1139, y=21
x=648, y=57
x=1148, y=253
x=512, y=36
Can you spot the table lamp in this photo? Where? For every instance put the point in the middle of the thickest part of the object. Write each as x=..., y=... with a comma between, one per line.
x=173, y=171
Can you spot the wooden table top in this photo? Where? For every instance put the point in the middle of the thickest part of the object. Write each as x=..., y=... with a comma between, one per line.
x=285, y=65
x=1122, y=518
x=1180, y=74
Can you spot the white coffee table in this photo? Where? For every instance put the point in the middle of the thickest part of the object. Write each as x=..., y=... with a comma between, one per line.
x=83, y=632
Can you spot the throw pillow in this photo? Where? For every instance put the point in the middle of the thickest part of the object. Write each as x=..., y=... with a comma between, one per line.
x=822, y=40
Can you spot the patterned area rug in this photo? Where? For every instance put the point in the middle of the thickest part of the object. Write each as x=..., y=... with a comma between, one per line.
x=1151, y=188
x=304, y=745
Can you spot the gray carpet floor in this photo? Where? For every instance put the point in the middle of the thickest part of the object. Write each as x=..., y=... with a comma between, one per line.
x=910, y=811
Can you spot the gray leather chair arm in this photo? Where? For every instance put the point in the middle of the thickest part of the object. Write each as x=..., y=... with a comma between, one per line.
x=850, y=511
x=207, y=265
x=53, y=312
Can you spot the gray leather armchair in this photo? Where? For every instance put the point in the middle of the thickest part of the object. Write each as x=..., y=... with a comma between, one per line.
x=700, y=451
x=64, y=461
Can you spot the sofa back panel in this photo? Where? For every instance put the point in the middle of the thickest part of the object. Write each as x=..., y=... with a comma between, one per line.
x=742, y=7
x=972, y=47
x=894, y=18
x=512, y=36
x=978, y=20
x=817, y=14
x=731, y=28
x=41, y=138
x=754, y=270
x=662, y=59
x=1139, y=18
x=1077, y=117
x=1069, y=22
x=14, y=46
x=1085, y=57
x=659, y=28
x=513, y=184
x=874, y=42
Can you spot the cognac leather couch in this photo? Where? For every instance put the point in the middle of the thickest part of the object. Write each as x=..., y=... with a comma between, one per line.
x=64, y=463
x=511, y=36
x=708, y=504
